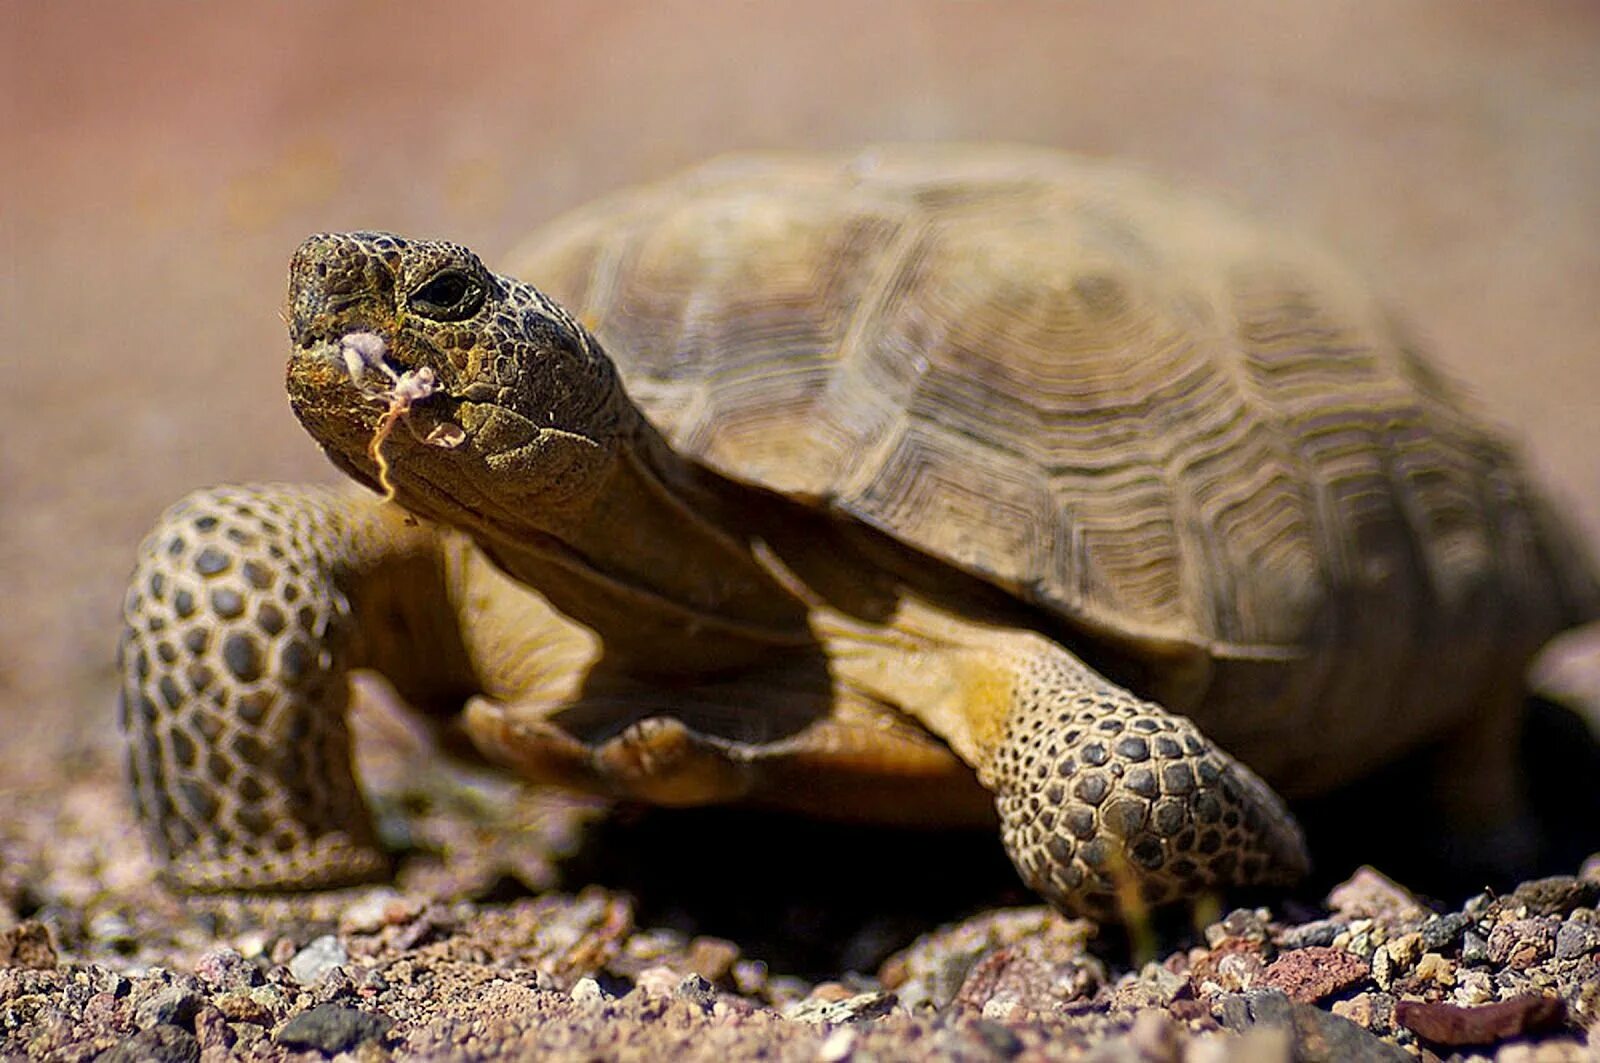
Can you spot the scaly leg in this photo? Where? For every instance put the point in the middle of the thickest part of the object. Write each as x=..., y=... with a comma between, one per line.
x=242, y=619
x=1106, y=801
x=1103, y=795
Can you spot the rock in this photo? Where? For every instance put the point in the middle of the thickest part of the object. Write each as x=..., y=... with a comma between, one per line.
x=1312, y=974
x=697, y=991
x=1156, y=987
x=1317, y=932
x=658, y=981
x=1435, y=968
x=242, y=1005
x=1358, y=1009
x=711, y=958
x=1557, y=895
x=27, y=945
x=1241, y=924
x=379, y=908
x=314, y=962
x=1369, y=894
x=934, y=968
x=857, y=1008
x=588, y=991
x=1405, y=950
x=1232, y=966
x=1575, y=940
x=1475, y=987
x=1451, y=1025
x=1474, y=949
x=163, y=1043
x=1019, y=979
x=1263, y=1044
x=996, y=1037
x=1316, y=1036
x=1154, y=1035
x=211, y=1029
x=334, y=986
x=332, y=1028
x=1522, y=943
x=1443, y=931
x=837, y=1046
x=225, y=969
x=173, y=1006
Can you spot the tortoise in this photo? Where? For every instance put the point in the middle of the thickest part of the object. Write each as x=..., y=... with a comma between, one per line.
x=926, y=485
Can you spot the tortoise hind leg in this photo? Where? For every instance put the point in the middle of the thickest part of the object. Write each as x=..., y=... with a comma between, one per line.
x=239, y=631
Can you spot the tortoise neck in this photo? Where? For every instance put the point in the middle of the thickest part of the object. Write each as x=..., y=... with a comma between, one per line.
x=662, y=565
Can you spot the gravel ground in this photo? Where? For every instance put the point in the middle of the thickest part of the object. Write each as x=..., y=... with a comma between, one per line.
x=162, y=160
x=482, y=950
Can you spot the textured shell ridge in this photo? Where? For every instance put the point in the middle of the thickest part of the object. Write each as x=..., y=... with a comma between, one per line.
x=1120, y=402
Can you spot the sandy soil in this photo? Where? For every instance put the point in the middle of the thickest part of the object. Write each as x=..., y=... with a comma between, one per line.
x=161, y=160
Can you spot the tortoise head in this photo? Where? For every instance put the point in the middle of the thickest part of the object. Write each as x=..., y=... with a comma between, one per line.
x=491, y=407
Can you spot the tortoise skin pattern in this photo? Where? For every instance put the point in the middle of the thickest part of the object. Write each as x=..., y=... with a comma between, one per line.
x=233, y=659
x=1191, y=456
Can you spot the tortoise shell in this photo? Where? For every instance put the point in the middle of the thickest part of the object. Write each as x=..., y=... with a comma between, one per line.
x=1118, y=400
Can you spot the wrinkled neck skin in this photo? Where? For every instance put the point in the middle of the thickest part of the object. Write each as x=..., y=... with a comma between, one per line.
x=657, y=559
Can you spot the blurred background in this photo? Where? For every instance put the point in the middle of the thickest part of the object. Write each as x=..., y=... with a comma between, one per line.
x=161, y=160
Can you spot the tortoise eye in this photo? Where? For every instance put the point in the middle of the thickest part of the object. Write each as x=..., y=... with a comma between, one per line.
x=450, y=295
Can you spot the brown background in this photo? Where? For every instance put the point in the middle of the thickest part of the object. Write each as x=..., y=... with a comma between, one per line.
x=161, y=160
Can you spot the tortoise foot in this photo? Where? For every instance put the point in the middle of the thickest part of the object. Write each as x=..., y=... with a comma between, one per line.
x=1109, y=804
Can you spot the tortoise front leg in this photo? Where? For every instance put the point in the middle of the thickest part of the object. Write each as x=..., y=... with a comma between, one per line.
x=1106, y=801
x=1104, y=797
x=239, y=631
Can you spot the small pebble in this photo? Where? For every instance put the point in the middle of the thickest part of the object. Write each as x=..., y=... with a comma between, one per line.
x=241, y=1005
x=749, y=976
x=332, y=1028
x=1369, y=894
x=377, y=909
x=158, y=1044
x=1442, y=931
x=712, y=958
x=837, y=1046
x=1315, y=973
x=27, y=945
x=173, y=1006
x=1242, y=924
x=1522, y=943
x=225, y=969
x=1556, y=895
x=1435, y=968
x=1319, y=932
x=1405, y=950
x=858, y=1008
x=657, y=981
x=251, y=943
x=314, y=962
x=1574, y=940
x=1358, y=1009
x=697, y=991
x=588, y=991
x=212, y=1030
x=1476, y=987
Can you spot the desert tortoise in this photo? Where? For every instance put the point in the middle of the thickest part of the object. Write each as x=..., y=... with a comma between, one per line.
x=908, y=486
